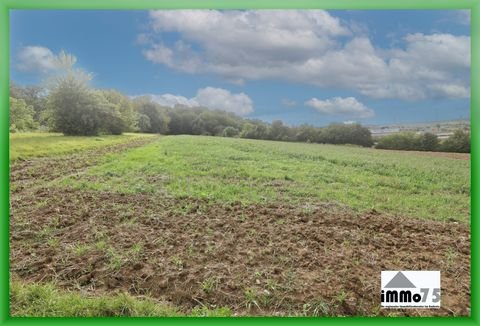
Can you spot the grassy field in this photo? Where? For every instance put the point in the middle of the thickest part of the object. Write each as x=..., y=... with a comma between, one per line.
x=252, y=171
x=140, y=225
x=43, y=144
x=45, y=300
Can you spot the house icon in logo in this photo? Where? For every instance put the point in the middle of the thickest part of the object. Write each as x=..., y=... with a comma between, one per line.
x=399, y=281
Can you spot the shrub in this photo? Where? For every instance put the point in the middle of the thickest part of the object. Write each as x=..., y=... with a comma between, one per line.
x=156, y=114
x=230, y=132
x=459, y=142
x=74, y=107
x=401, y=141
x=353, y=134
x=21, y=116
x=428, y=142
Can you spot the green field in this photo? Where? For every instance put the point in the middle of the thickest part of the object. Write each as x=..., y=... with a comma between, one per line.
x=45, y=300
x=141, y=225
x=253, y=171
x=43, y=144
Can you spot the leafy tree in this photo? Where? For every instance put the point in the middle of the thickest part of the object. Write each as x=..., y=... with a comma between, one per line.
x=459, y=142
x=306, y=133
x=75, y=108
x=353, y=134
x=199, y=126
x=428, y=142
x=34, y=96
x=124, y=110
x=158, y=116
x=400, y=141
x=279, y=131
x=255, y=129
x=180, y=122
x=144, y=124
x=21, y=115
x=230, y=132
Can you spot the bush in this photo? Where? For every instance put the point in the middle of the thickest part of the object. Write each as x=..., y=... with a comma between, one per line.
x=74, y=107
x=143, y=123
x=428, y=142
x=21, y=116
x=353, y=134
x=407, y=141
x=125, y=116
x=459, y=142
x=34, y=96
x=157, y=116
x=230, y=132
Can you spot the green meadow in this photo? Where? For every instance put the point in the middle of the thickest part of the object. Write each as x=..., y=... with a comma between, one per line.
x=226, y=170
x=223, y=173
x=43, y=144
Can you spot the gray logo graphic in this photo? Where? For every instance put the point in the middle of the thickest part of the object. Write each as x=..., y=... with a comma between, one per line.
x=400, y=281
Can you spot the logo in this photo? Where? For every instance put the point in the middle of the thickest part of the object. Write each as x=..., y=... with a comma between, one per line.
x=410, y=289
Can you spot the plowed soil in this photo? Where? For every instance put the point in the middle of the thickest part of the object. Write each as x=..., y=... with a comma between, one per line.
x=275, y=259
x=454, y=156
x=258, y=260
x=25, y=173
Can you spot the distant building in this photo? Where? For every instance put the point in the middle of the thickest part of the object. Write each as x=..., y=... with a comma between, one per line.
x=443, y=129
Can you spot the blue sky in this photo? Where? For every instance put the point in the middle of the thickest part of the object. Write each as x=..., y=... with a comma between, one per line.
x=373, y=67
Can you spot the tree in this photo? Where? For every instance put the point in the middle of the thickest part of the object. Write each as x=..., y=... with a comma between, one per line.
x=401, y=141
x=354, y=134
x=306, y=133
x=157, y=115
x=75, y=108
x=144, y=124
x=459, y=142
x=124, y=110
x=34, y=96
x=21, y=115
x=428, y=142
x=230, y=132
x=279, y=131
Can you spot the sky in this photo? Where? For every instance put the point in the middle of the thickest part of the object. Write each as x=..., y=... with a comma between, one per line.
x=299, y=66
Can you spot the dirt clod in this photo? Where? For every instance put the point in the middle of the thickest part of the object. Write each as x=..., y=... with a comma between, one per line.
x=232, y=255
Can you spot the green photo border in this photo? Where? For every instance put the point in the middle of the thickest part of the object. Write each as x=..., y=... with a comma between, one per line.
x=473, y=5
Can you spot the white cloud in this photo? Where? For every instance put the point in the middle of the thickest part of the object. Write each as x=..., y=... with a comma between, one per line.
x=210, y=97
x=171, y=100
x=430, y=66
x=288, y=103
x=221, y=99
x=310, y=47
x=43, y=60
x=159, y=53
x=36, y=59
x=348, y=106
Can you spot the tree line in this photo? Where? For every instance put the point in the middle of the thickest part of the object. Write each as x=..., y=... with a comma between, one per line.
x=458, y=142
x=71, y=106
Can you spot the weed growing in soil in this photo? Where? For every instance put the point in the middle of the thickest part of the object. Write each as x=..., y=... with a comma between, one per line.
x=41, y=300
x=362, y=178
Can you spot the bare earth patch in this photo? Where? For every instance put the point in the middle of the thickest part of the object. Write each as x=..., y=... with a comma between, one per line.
x=454, y=156
x=258, y=259
x=25, y=173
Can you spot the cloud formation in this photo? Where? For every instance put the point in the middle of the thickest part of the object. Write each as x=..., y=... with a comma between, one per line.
x=348, y=106
x=36, y=59
x=39, y=59
x=309, y=47
x=288, y=103
x=209, y=97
